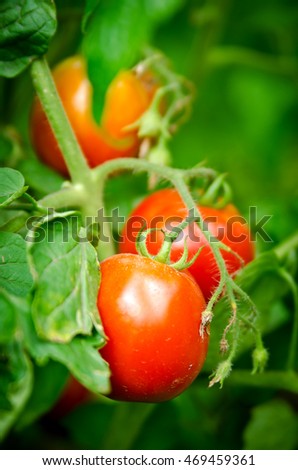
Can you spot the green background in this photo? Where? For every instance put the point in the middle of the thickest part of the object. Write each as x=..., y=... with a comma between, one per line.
x=242, y=57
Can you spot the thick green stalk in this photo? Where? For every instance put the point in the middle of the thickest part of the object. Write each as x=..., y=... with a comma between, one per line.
x=279, y=380
x=52, y=105
x=102, y=172
x=72, y=196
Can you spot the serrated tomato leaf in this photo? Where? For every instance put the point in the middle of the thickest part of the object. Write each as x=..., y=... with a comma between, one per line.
x=80, y=356
x=67, y=282
x=15, y=275
x=26, y=27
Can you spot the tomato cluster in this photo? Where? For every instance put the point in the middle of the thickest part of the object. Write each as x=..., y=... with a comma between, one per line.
x=127, y=98
x=151, y=312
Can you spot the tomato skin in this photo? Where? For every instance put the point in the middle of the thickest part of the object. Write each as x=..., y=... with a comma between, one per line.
x=165, y=205
x=127, y=98
x=151, y=314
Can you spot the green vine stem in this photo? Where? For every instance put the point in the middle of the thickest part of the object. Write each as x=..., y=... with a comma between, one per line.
x=232, y=55
x=286, y=246
x=83, y=191
x=279, y=380
x=70, y=195
x=294, y=337
x=51, y=103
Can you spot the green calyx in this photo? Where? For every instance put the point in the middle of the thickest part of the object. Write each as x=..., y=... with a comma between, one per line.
x=164, y=254
x=218, y=194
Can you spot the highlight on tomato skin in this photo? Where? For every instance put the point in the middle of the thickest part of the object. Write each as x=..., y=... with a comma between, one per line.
x=127, y=98
x=151, y=315
x=165, y=207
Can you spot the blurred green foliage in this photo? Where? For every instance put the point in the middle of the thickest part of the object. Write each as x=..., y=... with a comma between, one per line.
x=243, y=59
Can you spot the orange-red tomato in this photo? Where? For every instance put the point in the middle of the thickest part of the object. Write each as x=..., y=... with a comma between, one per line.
x=151, y=314
x=165, y=208
x=128, y=97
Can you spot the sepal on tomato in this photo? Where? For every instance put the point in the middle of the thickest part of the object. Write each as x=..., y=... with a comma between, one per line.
x=222, y=371
x=260, y=358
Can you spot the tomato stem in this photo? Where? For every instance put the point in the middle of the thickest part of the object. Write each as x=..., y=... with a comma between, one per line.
x=289, y=244
x=293, y=346
x=69, y=196
x=53, y=108
x=280, y=380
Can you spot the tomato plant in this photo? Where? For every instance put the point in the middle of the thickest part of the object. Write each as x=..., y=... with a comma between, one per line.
x=151, y=315
x=140, y=330
x=165, y=208
x=127, y=97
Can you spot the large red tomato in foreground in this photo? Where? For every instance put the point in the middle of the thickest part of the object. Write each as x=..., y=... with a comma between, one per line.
x=166, y=209
x=127, y=98
x=151, y=314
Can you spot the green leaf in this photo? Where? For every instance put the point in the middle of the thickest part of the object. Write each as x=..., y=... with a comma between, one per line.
x=26, y=27
x=15, y=275
x=6, y=148
x=40, y=177
x=12, y=220
x=80, y=356
x=15, y=384
x=160, y=11
x=90, y=7
x=7, y=318
x=49, y=381
x=11, y=186
x=117, y=31
x=273, y=426
x=67, y=281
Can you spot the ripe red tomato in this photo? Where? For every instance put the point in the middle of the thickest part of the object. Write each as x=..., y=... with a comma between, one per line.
x=127, y=98
x=151, y=314
x=165, y=208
